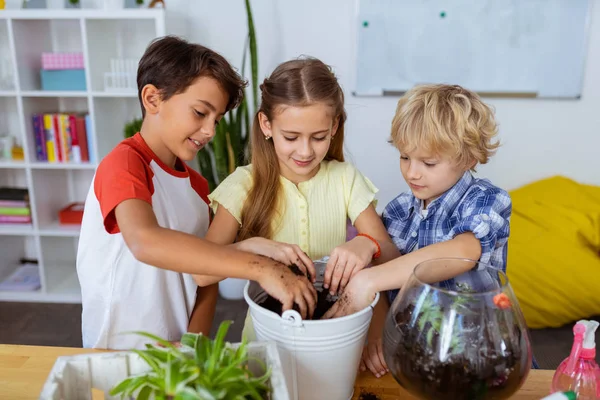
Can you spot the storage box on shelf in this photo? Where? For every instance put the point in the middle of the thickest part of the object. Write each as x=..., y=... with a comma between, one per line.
x=35, y=45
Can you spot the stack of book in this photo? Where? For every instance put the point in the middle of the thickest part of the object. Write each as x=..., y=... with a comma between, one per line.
x=14, y=206
x=62, y=137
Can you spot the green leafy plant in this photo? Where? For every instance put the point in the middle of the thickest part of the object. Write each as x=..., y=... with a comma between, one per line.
x=132, y=127
x=200, y=369
x=229, y=147
x=431, y=318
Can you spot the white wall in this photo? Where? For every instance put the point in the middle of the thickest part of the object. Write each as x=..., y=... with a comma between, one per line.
x=540, y=138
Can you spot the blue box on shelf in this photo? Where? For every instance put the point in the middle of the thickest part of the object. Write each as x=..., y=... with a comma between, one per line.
x=63, y=79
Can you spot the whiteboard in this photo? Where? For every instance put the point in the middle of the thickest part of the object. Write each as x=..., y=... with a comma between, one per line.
x=513, y=48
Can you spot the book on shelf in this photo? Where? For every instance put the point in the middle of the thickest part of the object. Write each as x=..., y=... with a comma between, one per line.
x=16, y=194
x=25, y=278
x=14, y=206
x=62, y=137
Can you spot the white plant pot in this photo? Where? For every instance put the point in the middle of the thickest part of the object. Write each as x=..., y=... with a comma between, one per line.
x=87, y=4
x=73, y=377
x=55, y=4
x=114, y=4
x=232, y=288
x=320, y=358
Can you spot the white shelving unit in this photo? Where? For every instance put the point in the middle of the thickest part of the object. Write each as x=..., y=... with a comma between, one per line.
x=100, y=35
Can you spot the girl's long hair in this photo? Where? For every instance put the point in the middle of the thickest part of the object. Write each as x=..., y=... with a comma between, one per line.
x=296, y=83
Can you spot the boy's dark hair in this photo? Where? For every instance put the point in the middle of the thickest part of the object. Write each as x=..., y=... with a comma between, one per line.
x=173, y=64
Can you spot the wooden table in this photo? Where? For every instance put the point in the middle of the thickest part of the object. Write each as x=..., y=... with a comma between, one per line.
x=24, y=369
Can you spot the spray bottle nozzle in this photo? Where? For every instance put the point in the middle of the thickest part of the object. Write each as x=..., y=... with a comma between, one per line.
x=584, y=343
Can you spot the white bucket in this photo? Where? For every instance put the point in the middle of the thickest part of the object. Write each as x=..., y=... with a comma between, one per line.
x=320, y=359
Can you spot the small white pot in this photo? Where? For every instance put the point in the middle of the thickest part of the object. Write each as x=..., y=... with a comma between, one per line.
x=232, y=288
x=114, y=4
x=55, y=4
x=87, y=4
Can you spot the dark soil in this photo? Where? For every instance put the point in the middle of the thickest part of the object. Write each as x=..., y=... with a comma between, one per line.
x=324, y=303
x=296, y=270
x=324, y=300
x=478, y=370
x=368, y=396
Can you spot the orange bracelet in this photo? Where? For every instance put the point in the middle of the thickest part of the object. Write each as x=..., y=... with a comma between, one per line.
x=378, y=252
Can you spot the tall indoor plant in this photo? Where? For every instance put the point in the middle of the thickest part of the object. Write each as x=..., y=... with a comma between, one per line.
x=229, y=147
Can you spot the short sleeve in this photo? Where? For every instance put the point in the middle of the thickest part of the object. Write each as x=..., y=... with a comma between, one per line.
x=359, y=192
x=232, y=192
x=487, y=214
x=122, y=175
x=395, y=216
x=199, y=184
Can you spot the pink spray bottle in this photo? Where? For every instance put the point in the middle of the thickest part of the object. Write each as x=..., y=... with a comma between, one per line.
x=580, y=372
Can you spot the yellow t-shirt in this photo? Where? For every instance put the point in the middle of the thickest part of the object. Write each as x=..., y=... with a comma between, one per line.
x=313, y=214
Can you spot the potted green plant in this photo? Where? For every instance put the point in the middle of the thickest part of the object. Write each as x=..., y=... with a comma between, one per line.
x=132, y=127
x=228, y=149
x=198, y=368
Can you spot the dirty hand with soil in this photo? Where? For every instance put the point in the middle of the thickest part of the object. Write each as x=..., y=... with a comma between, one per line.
x=345, y=261
x=290, y=288
x=285, y=253
x=324, y=301
x=357, y=295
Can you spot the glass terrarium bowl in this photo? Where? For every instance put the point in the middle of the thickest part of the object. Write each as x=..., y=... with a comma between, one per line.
x=465, y=338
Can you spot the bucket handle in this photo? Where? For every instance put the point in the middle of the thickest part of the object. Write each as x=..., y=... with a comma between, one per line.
x=292, y=318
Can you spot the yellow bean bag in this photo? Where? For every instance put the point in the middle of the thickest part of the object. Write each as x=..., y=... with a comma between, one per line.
x=554, y=251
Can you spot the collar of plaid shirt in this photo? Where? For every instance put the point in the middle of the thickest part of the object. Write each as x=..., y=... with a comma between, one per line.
x=448, y=200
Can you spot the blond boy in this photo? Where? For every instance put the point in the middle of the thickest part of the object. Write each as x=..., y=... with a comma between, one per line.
x=442, y=133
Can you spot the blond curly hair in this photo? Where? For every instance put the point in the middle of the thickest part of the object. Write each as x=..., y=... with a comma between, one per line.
x=446, y=120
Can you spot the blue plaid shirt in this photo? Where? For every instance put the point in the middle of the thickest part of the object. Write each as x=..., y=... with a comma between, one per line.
x=471, y=205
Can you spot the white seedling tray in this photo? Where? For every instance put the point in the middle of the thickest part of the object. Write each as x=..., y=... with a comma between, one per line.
x=80, y=376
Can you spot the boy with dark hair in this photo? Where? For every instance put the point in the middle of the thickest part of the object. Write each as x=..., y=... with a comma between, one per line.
x=146, y=210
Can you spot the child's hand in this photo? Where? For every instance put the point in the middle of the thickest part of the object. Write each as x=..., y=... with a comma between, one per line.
x=284, y=253
x=345, y=261
x=372, y=358
x=281, y=283
x=356, y=296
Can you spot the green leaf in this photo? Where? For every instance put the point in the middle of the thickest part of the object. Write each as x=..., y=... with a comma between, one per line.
x=145, y=393
x=157, y=339
x=429, y=336
x=202, y=350
x=189, y=340
x=188, y=394
x=253, y=53
x=206, y=394
x=247, y=128
x=132, y=127
x=218, y=346
x=127, y=384
x=219, y=146
x=206, y=167
x=235, y=134
x=150, y=360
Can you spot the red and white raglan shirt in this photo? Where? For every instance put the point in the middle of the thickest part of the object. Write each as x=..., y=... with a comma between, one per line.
x=119, y=293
